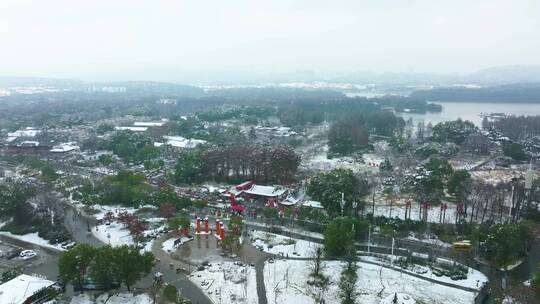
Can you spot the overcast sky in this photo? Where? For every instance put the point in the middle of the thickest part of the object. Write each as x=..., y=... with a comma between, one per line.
x=128, y=39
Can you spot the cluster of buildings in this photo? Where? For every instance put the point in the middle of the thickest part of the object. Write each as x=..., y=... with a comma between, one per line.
x=259, y=196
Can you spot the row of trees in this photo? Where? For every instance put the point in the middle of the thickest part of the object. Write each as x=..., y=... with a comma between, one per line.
x=106, y=266
x=515, y=127
x=246, y=113
x=259, y=163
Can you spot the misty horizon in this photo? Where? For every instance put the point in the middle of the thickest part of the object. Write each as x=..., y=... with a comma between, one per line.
x=179, y=41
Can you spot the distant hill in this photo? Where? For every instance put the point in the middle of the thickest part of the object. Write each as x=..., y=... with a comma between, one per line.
x=524, y=93
x=504, y=75
x=38, y=82
x=500, y=75
x=153, y=87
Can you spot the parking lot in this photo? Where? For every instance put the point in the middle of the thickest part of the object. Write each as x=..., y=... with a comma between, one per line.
x=43, y=263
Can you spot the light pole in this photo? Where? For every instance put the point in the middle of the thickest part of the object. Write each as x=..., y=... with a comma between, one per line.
x=369, y=238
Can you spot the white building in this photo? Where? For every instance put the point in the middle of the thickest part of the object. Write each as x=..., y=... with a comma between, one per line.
x=20, y=289
x=149, y=123
x=132, y=129
x=180, y=142
x=27, y=132
x=65, y=147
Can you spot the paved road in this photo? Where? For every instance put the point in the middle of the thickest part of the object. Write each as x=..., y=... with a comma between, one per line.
x=259, y=276
x=181, y=281
x=78, y=224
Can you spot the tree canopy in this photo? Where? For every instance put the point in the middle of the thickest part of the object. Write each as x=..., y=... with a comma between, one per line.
x=125, y=188
x=455, y=131
x=327, y=188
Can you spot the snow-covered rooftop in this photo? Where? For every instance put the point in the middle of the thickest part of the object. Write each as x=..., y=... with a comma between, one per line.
x=17, y=290
x=28, y=132
x=148, y=123
x=133, y=129
x=29, y=143
x=313, y=204
x=65, y=147
x=181, y=142
x=269, y=191
x=289, y=201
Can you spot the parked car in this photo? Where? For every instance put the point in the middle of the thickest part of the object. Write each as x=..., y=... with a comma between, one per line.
x=27, y=254
x=68, y=245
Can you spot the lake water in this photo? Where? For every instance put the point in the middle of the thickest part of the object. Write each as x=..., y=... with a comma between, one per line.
x=471, y=111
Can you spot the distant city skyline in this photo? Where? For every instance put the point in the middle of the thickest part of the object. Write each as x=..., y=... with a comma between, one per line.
x=179, y=40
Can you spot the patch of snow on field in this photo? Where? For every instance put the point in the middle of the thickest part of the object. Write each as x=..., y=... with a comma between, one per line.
x=148, y=246
x=398, y=298
x=228, y=282
x=475, y=279
x=168, y=246
x=122, y=298
x=286, y=282
x=398, y=211
x=119, y=234
x=103, y=209
x=282, y=245
x=32, y=238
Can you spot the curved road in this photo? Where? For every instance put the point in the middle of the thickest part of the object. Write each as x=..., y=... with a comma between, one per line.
x=78, y=226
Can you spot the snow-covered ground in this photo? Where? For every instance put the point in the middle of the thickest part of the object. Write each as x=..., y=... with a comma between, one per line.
x=398, y=298
x=115, y=234
x=148, y=246
x=398, y=210
x=320, y=162
x=122, y=298
x=32, y=238
x=475, y=279
x=282, y=245
x=467, y=164
x=103, y=209
x=286, y=282
x=228, y=283
x=168, y=246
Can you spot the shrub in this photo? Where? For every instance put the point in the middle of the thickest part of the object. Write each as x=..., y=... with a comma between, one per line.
x=170, y=292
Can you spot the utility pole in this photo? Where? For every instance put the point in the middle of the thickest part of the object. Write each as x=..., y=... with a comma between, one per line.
x=369, y=238
x=393, y=243
x=373, y=201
